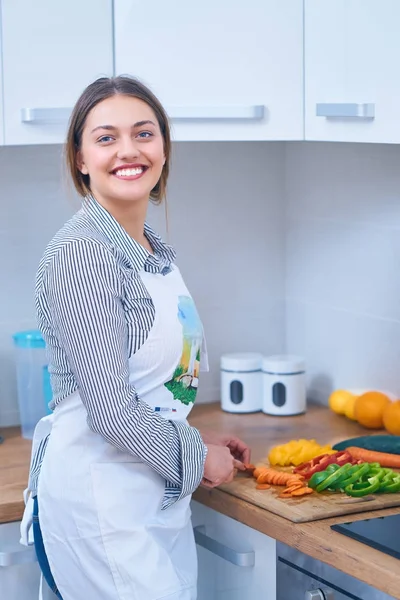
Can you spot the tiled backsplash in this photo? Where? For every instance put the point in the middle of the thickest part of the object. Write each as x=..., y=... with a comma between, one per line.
x=292, y=247
x=226, y=220
x=343, y=264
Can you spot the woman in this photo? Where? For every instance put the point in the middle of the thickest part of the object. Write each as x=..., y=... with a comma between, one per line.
x=113, y=480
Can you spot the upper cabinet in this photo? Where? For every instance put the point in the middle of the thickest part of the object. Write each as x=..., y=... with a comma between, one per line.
x=223, y=70
x=352, y=57
x=51, y=52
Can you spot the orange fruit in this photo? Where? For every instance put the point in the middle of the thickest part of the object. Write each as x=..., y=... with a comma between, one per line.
x=369, y=408
x=391, y=418
x=338, y=401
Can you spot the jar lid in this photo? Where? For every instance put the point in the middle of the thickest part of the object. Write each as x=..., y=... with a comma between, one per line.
x=241, y=361
x=29, y=339
x=283, y=364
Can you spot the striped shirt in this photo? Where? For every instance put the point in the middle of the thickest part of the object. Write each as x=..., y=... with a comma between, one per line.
x=94, y=313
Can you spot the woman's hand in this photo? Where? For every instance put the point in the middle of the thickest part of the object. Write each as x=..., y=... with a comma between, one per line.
x=220, y=466
x=239, y=449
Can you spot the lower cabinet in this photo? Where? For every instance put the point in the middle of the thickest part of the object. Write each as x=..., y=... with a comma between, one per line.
x=19, y=569
x=234, y=561
x=301, y=577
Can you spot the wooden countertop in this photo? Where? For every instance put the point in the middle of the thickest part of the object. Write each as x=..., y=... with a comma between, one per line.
x=315, y=539
x=260, y=432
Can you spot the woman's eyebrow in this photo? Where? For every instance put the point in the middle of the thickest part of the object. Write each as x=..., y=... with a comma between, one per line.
x=112, y=128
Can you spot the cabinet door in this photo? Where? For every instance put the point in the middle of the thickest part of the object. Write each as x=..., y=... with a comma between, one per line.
x=234, y=561
x=223, y=70
x=51, y=51
x=19, y=569
x=352, y=56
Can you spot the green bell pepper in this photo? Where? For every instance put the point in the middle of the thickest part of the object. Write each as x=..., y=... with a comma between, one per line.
x=390, y=484
x=355, y=473
x=334, y=478
x=317, y=478
x=363, y=488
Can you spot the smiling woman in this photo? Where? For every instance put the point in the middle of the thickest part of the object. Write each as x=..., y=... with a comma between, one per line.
x=113, y=479
x=118, y=89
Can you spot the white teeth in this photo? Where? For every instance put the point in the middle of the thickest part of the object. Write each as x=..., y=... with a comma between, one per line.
x=129, y=172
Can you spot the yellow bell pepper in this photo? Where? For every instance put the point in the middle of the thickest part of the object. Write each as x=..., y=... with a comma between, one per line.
x=296, y=452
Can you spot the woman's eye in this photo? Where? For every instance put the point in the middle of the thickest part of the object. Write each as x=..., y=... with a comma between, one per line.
x=145, y=134
x=105, y=138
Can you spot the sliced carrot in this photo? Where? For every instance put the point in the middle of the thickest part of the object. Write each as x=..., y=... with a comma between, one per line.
x=257, y=472
x=292, y=487
x=296, y=478
x=285, y=494
x=267, y=475
x=262, y=486
x=302, y=491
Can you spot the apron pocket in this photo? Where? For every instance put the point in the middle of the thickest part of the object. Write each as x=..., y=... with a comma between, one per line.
x=128, y=498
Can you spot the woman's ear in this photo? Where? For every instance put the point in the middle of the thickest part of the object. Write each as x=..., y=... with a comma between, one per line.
x=81, y=164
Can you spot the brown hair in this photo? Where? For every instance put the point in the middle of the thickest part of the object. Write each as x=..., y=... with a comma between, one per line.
x=99, y=90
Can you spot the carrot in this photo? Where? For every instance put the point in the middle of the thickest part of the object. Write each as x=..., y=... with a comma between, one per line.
x=267, y=475
x=383, y=458
x=294, y=485
x=285, y=494
x=257, y=471
x=262, y=486
x=302, y=491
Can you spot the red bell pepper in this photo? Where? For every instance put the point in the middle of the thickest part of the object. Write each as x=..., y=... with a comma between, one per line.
x=319, y=463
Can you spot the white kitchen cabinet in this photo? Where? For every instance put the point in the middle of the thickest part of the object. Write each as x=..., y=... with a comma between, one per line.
x=224, y=70
x=352, y=57
x=234, y=561
x=51, y=51
x=19, y=569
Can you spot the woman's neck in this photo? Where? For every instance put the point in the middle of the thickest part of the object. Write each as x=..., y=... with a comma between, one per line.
x=131, y=216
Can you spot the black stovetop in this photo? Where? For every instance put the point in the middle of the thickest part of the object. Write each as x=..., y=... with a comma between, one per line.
x=381, y=533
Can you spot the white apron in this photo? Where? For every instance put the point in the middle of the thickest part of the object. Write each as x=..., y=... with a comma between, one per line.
x=104, y=532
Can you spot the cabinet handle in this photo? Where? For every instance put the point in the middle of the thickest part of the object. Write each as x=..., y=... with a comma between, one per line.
x=216, y=113
x=45, y=115
x=20, y=557
x=355, y=111
x=175, y=113
x=240, y=559
x=319, y=595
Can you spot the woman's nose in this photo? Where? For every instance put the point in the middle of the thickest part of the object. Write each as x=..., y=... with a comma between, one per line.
x=128, y=148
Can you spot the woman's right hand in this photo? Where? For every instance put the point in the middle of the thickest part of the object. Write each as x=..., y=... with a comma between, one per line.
x=220, y=466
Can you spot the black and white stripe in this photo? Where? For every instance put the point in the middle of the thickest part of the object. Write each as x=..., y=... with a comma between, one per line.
x=94, y=312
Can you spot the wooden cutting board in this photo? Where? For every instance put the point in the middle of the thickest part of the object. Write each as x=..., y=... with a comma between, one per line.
x=312, y=507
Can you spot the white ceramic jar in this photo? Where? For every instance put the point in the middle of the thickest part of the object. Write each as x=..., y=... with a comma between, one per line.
x=241, y=382
x=284, y=385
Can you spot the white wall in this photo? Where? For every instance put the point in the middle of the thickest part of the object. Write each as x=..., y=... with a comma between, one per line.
x=226, y=220
x=343, y=264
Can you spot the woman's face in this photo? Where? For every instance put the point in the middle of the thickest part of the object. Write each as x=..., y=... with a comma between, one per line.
x=122, y=150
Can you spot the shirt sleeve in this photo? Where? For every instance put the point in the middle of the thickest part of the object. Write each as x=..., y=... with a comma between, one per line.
x=84, y=294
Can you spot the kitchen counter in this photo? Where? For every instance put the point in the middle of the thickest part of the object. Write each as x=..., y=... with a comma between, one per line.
x=315, y=539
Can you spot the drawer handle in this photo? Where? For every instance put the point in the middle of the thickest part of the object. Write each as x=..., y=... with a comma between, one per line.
x=20, y=557
x=216, y=113
x=175, y=113
x=355, y=111
x=45, y=115
x=240, y=559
